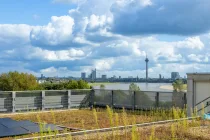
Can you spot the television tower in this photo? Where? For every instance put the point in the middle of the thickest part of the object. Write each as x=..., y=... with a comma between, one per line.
x=146, y=60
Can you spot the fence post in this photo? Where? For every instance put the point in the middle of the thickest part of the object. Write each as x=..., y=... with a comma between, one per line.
x=185, y=99
x=112, y=99
x=134, y=100
x=43, y=100
x=69, y=99
x=91, y=104
x=13, y=101
x=157, y=99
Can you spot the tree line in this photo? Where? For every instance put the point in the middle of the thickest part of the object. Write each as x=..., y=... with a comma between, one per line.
x=15, y=81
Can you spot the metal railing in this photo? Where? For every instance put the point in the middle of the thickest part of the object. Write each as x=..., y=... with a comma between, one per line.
x=139, y=99
x=43, y=100
x=202, y=105
x=65, y=99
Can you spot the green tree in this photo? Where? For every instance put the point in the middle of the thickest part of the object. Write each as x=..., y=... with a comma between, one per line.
x=178, y=85
x=72, y=84
x=15, y=81
x=83, y=84
x=46, y=86
x=134, y=87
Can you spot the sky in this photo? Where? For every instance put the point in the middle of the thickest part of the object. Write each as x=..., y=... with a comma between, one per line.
x=67, y=37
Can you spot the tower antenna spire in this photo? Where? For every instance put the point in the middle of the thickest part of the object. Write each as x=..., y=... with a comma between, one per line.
x=146, y=60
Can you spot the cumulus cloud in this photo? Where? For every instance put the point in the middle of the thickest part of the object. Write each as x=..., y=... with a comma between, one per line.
x=117, y=49
x=198, y=58
x=95, y=22
x=191, y=42
x=171, y=51
x=159, y=50
x=58, y=31
x=14, y=35
x=60, y=71
x=104, y=64
x=161, y=17
x=35, y=53
x=99, y=7
x=63, y=55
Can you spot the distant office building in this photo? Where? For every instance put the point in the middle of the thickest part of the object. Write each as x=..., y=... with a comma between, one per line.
x=93, y=75
x=104, y=77
x=42, y=76
x=83, y=75
x=160, y=76
x=175, y=75
x=119, y=77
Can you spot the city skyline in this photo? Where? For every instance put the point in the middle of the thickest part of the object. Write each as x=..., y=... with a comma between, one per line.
x=66, y=37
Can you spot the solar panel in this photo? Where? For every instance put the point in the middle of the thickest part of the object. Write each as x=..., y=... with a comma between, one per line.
x=10, y=123
x=5, y=119
x=26, y=123
x=34, y=129
x=9, y=127
x=17, y=131
x=5, y=131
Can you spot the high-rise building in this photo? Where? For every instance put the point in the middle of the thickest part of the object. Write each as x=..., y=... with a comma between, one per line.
x=83, y=75
x=93, y=75
x=104, y=77
x=146, y=60
x=175, y=75
x=160, y=76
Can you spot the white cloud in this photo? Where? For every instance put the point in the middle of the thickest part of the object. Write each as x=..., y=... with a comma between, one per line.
x=159, y=50
x=49, y=70
x=117, y=49
x=13, y=34
x=60, y=71
x=58, y=31
x=191, y=42
x=62, y=55
x=105, y=64
x=98, y=21
x=35, y=53
x=198, y=58
x=61, y=33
